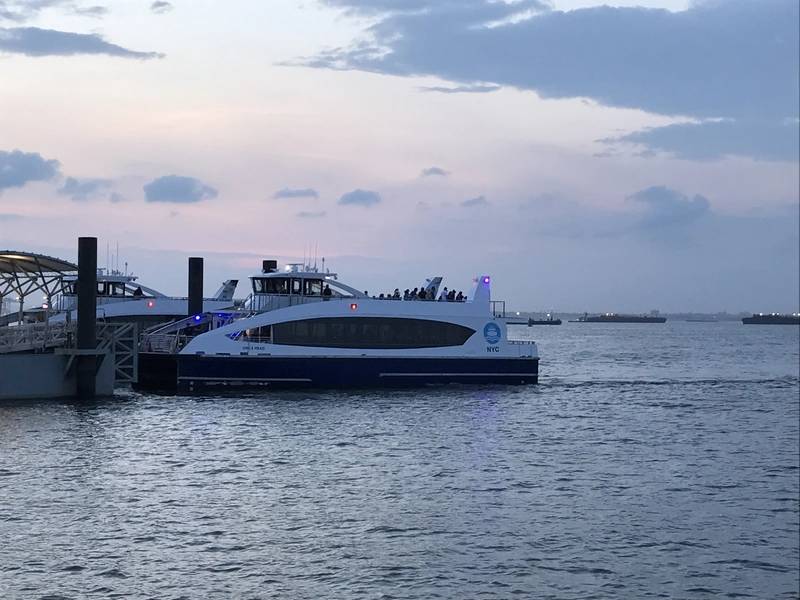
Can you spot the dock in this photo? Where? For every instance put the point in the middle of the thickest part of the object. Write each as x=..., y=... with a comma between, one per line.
x=75, y=359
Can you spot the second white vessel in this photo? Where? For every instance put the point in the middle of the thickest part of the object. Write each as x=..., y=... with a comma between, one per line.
x=305, y=328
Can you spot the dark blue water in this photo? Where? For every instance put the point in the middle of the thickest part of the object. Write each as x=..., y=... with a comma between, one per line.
x=651, y=461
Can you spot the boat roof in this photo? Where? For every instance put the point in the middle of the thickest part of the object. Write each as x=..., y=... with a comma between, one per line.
x=109, y=277
x=297, y=270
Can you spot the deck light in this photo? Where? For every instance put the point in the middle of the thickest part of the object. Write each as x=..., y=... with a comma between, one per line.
x=197, y=317
x=354, y=306
x=486, y=280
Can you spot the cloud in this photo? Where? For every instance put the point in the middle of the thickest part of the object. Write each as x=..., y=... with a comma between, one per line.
x=96, y=12
x=18, y=168
x=80, y=190
x=360, y=198
x=174, y=188
x=434, y=172
x=32, y=41
x=22, y=10
x=715, y=139
x=654, y=213
x=160, y=7
x=372, y=7
x=474, y=202
x=305, y=214
x=461, y=89
x=295, y=193
x=667, y=208
x=735, y=59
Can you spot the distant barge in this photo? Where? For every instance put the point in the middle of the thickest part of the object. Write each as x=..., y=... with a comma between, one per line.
x=772, y=319
x=548, y=321
x=615, y=318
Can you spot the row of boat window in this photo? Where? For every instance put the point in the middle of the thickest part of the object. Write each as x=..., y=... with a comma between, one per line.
x=285, y=286
x=359, y=332
x=104, y=288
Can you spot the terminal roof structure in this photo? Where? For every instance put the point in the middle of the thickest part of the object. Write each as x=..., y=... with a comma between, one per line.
x=23, y=273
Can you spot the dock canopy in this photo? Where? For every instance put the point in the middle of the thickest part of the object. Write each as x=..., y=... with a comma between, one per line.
x=23, y=273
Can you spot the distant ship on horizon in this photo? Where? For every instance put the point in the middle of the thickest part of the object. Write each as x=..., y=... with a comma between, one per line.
x=548, y=320
x=772, y=319
x=653, y=317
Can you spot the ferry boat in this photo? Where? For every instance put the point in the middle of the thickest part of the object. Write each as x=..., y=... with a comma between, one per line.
x=121, y=298
x=304, y=328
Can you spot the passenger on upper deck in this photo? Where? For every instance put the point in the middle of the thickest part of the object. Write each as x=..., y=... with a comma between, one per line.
x=138, y=293
x=443, y=295
x=326, y=293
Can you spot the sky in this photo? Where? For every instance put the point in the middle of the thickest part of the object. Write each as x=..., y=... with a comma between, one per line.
x=625, y=156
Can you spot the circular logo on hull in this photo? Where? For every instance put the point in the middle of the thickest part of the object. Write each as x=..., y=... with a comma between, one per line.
x=492, y=333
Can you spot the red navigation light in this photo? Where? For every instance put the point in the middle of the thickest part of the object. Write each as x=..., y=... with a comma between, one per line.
x=150, y=304
x=354, y=306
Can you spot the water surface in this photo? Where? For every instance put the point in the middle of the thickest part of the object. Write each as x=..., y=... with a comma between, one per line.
x=651, y=461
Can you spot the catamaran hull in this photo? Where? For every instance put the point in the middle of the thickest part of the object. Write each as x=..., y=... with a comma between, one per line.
x=204, y=373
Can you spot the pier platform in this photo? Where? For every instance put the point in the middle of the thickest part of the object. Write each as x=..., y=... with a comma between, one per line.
x=39, y=361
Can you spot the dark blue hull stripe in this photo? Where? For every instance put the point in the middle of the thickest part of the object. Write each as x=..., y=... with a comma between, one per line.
x=453, y=374
x=196, y=372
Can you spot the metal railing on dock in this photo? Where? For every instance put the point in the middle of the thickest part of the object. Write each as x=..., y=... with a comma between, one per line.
x=118, y=339
x=36, y=337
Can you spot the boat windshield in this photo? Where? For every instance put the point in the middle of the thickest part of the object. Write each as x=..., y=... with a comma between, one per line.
x=283, y=286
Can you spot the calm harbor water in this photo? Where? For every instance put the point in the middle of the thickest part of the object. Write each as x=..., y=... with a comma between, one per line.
x=651, y=461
